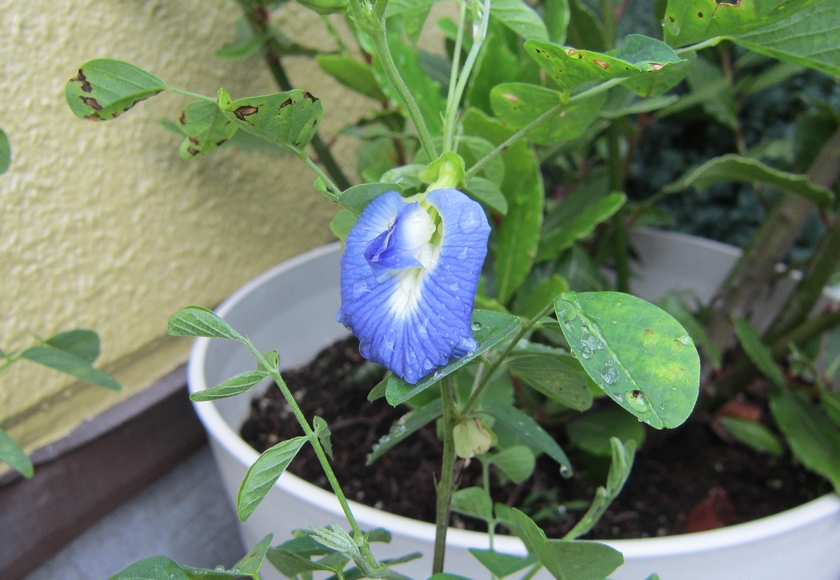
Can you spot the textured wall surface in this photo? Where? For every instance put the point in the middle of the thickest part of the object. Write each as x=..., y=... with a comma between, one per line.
x=103, y=225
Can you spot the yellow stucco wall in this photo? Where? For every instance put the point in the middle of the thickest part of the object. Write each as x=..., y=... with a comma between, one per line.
x=103, y=225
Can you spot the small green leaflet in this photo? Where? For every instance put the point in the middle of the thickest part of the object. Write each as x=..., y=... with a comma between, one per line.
x=519, y=17
x=233, y=386
x=637, y=353
x=71, y=364
x=155, y=568
x=11, y=453
x=736, y=168
x=568, y=560
x=575, y=219
x=552, y=377
x=757, y=351
x=516, y=462
x=474, y=502
x=488, y=193
x=290, y=118
x=592, y=432
x=489, y=329
x=405, y=426
x=206, y=128
x=524, y=426
x=322, y=430
x=200, y=321
x=501, y=565
x=352, y=74
x=753, y=434
x=263, y=474
x=357, y=197
x=105, y=88
x=80, y=342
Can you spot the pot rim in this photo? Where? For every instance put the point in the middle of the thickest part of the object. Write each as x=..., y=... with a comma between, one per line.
x=224, y=435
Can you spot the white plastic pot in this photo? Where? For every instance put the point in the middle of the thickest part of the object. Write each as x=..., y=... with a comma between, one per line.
x=292, y=308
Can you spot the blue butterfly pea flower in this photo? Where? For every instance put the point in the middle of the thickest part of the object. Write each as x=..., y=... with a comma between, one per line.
x=409, y=273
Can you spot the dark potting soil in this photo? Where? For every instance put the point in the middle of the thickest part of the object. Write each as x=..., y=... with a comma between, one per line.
x=683, y=480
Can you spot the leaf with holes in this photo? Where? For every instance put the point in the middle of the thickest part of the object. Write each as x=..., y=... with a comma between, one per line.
x=637, y=353
x=691, y=21
x=206, y=128
x=570, y=67
x=518, y=104
x=290, y=118
x=263, y=474
x=104, y=89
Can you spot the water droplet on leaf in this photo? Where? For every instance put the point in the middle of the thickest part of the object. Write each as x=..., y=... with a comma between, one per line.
x=609, y=374
x=476, y=326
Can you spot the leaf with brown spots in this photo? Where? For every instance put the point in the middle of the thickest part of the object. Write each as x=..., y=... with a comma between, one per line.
x=206, y=128
x=290, y=118
x=642, y=60
x=104, y=88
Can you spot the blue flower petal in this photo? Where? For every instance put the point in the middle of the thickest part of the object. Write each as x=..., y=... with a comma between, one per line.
x=407, y=296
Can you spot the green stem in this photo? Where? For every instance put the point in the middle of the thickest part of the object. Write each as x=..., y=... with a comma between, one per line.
x=454, y=99
x=311, y=437
x=258, y=19
x=451, y=100
x=516, y=137
x=333, y=191
x=189, y=94
x=447, y=476
x=616, y=173
x=494, y=366
x=757, y=266
x=608, y=17
x=377, y=32
x=699, y=46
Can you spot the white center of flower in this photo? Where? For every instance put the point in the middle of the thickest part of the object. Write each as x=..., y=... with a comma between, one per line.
x=418, y=228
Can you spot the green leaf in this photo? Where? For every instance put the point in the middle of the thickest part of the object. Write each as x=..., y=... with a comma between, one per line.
x=324, y=7
x=757, y=351
x=352, y=74
x=568, y=560
x=575, y=219
x=518, y=104
x=553, y=378
x=542, y=295
x=639, y=355
x=496, y=65
x=528, y=429
x=645, y=51
x=752, y=434
x=69, y=363
x=342, y=223
x=405, y=426
x=233, y=386
x=639, y=106
x=474, y=148
x=516, y=463
x=253, y=560
x=489, y=329
x=80, y=342
x=523, y=188
x=570, y=67
x=155, y=568
x=290, y=118
x=413, y=14
x=322, y=430
x=474, y=502
x=520, y=18
x=691, y=21
x=404, y=177
x=585, y=28
x=272, y=358
x=488, y=193
x=200, y=321
x=620, y=466
x=807, y=37
x=674, y=306
x=263, y=474
x=592, y=432
x=105, y=88
x=556, y=14
x=289, y=563
x=736, y=168
x=206, y=128
x=357, y=198
x=11, y=453
x=812, y=436
x=501, y=565
x=5, y=152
